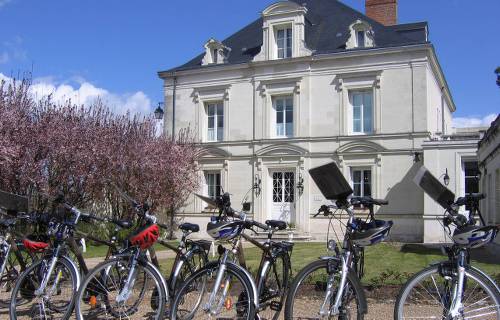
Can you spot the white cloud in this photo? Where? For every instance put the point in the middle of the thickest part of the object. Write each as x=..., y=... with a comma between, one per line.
x=86, y=93
x=473, y=121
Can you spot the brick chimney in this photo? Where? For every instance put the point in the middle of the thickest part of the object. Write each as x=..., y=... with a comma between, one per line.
x=383, y=11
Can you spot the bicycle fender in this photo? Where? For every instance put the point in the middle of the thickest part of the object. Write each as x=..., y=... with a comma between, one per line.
x=158, y=273
x=252, y=282
x=73, y=265
x=360, y=292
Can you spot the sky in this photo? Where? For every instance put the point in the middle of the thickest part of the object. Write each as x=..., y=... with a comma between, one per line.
x=114, y=48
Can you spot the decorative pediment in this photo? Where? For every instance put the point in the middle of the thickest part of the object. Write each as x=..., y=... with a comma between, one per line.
x=211, y=93
x=213, y=152
x=283, y=7
x=360, y=147
x=281, y=150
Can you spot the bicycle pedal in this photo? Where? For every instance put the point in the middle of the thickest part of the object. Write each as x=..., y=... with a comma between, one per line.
x=275, y=305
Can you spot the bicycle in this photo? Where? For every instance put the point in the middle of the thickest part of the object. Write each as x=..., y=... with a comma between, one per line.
x=118, y=287
x=224, y=289
x=454, y=289
x=45, y=290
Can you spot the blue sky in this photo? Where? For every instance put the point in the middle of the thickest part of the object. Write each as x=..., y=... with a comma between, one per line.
x=114, y=48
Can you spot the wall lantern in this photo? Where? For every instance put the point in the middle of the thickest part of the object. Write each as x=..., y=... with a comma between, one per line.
x=300, y=184
x=446, y=177
x=416, y=157
x=159, y=111
x=257, y=184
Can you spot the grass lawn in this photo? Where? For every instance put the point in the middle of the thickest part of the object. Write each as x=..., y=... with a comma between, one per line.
x=390, y=263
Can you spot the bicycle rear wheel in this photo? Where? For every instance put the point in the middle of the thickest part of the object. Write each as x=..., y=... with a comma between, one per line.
x=102, y=294
x=11, y=273
x=55, y=302
x=307, y=294
x=273, y=287
x=428, y=295
x=233, y=299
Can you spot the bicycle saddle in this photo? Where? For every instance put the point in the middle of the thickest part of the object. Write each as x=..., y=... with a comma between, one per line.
x=5, y=223
x=276, y=224
x=189, y=227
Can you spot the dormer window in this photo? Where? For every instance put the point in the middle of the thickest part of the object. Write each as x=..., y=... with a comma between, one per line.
x=283, y=32
x=284, y=42
x=362, y=35
x=215, y=52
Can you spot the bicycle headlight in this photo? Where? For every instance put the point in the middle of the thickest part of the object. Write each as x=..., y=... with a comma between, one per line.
x=331, y=245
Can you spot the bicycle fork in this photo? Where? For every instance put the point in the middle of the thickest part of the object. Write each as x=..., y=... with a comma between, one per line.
x=129, y=283
x=211, y=306
x=456, y=307
x=326, y=308
x=48, y=274
x=6, y=251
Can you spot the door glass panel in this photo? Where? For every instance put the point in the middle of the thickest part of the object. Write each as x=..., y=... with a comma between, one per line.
x=277, y=187
x=289, y=180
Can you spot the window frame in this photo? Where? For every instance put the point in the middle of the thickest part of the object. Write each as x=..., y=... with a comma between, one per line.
x=218, y=105
x=363, y=93
x=207, y=186
x=287, y=35
x=362, y=170
x=287, y=112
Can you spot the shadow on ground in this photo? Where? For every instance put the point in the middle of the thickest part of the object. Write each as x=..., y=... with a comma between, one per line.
x=487, y=254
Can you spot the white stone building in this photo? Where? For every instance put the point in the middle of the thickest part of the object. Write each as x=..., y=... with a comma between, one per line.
x=489, y=164
x=310, y=82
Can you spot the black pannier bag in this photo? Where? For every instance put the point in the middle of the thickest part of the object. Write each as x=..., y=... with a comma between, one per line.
x=331, y=182
x=433, y=187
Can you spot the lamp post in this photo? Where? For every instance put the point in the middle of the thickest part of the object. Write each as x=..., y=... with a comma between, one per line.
x=497, y=71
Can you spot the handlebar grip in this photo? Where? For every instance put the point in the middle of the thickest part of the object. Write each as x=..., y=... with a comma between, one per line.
x=381, y=201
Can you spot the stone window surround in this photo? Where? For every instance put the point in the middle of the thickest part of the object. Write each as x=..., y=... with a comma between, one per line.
x=374, y=162
x=279, y=87
x=360, y=25
x=204, y=95
x=358, y=81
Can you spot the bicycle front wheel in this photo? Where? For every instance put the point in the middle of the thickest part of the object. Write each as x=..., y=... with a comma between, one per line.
x=200, y=298
x=55, y=301
x=429, y=294
x=308, y=298
x=112, y=290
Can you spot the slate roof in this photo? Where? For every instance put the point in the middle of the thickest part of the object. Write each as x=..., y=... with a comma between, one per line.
x=326, y=31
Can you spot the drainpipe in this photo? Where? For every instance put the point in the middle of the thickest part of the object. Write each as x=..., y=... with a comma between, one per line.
x=253, y=146
x=173, y=106
x=442, y=112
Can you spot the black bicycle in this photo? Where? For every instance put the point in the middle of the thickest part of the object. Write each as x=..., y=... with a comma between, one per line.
x=224, y=289
x=454, y=289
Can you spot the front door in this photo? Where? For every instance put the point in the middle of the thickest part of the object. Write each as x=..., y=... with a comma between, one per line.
x=283, y=197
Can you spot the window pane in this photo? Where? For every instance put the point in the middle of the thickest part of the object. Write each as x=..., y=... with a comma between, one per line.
x=367, y=183
x=289, y=43
x=281, y=34
x=211, y=109
x=367, y=112
x=356, y=176
x=211, y=135
x=280, y=129
x=220, y=135
x=220, y=121
x=361, y=38
x=356, y=189
x=211, y=122
x=220, y=109
x=279, y=117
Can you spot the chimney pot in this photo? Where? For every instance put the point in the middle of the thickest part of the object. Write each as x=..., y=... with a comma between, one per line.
x=383, y=11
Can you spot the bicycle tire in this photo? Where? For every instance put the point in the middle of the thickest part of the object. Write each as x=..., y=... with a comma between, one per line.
x=231, y=269
x=352, y=280
x=104, y=267
x=23, y=281
x=12, y=272
x=280, y=271
x=470, y=274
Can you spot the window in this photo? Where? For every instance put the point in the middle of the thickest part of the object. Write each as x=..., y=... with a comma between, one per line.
x=362, y=111
x=283, y=187
x=215, y=55
x=283, y=107
x=212, y=181
x=215, y=113
x=471, y=181
x=284, y=42
x=360, y=38
x=361, y=182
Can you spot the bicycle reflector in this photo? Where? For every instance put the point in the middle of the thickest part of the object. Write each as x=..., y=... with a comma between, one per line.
x=146, y=237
